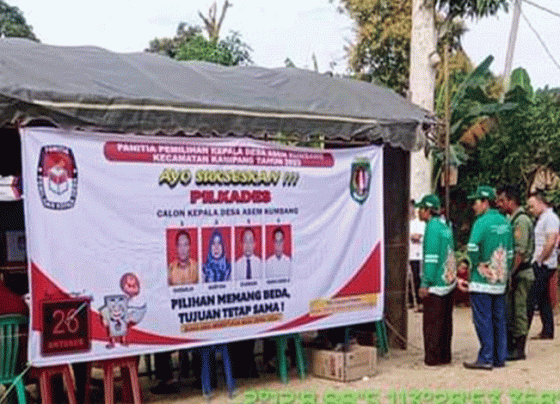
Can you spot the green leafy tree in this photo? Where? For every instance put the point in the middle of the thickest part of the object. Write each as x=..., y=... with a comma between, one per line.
x=169, y=46
x=239, y=50
x=231, y=51
x=526, y=135
x=471, y=8
x=508, y=154
x=524, y=139
x=190, y=44
x=381, y=50
x=13, y=24
x=473, y=113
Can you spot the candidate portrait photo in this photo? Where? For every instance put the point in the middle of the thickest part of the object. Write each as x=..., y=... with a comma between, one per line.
x=278, y=251
x=182, y=256
x=216, y=254
x=248, y=253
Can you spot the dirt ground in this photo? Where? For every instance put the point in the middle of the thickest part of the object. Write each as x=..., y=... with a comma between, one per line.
x=402, y=371
x=405, y=370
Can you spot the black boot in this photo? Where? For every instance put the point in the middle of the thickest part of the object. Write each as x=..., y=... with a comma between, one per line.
x=510, y=343
x=519, y=351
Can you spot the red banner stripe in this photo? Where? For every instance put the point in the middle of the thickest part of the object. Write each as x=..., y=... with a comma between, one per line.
x=366, y=280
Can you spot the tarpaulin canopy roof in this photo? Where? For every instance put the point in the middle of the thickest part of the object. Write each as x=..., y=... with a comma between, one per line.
x=90, y=87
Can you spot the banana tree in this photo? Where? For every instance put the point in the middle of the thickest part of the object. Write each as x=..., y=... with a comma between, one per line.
x=472, y=114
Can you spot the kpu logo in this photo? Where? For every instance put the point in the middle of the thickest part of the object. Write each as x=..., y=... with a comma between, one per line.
x=360, y=180
x=57, y=177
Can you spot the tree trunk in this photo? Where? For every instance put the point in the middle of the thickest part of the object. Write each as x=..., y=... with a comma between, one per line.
x=423, y=57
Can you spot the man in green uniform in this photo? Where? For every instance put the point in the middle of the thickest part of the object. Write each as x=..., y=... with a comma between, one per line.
x=437, y=282
x=522, y=276
x=490, y=250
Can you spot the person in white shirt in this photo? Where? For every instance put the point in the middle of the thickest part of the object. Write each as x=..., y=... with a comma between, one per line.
x=248, y=266
x=279, y=264
x=545, y=261
x=416, y=231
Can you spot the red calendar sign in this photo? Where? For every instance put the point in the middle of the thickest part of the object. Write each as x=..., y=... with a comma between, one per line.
x=66, y=326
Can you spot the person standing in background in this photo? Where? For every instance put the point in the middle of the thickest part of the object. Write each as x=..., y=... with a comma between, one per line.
x=522, y=277
x=416, y=231
x=438, y=280
x=545, y=260
x=490, y=250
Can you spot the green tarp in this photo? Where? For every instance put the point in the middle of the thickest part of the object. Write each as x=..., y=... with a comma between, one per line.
x=93, y=88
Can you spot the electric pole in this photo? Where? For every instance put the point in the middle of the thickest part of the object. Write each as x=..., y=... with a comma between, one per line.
x=511, y=43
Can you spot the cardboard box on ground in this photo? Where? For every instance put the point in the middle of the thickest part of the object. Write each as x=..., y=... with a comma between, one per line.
x=359, y=361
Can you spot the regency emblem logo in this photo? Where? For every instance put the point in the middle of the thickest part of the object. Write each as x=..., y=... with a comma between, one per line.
x=360, y=180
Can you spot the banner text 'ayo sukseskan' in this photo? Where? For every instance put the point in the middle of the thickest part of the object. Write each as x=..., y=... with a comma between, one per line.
x=138, y=245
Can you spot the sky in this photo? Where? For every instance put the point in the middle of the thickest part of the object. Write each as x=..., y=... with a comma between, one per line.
x=489, y=36
x=276, y=30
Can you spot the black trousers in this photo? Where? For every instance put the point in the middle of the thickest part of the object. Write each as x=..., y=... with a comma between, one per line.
x=164, y=366
x=538, y=295
x=242, y=354
x=415, y=268
x=437, y=328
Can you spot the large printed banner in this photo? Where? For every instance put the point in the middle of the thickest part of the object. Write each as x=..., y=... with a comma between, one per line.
x=138, y=245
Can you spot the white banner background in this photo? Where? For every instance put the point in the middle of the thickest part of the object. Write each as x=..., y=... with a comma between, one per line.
x=85, y=233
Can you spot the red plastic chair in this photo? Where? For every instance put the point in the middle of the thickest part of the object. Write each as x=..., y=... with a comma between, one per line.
x=129, y=375
x=45, y=374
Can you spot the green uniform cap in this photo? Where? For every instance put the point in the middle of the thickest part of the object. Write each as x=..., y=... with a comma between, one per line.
x=484, y=192
x=429, y=201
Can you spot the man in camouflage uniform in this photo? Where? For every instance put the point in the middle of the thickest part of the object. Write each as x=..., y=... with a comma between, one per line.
x=490, y=250
x=522, y=276
x=437, y=282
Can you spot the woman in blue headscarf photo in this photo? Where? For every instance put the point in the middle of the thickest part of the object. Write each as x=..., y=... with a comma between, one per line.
x=216, y=268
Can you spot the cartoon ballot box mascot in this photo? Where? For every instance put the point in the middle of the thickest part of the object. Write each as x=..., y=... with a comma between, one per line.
x=116, y=313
